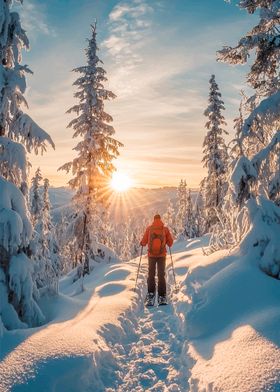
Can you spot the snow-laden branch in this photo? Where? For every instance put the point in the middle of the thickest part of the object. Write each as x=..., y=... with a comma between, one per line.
x=265, y=113
x=263, y=154
x=13, y=160
x=24, y=129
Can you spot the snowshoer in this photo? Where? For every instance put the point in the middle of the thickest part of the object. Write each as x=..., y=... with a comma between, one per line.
x=157, y=236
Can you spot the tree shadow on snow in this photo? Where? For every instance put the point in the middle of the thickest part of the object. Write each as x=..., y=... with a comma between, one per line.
x=62, y=308
x=111, y=289
x=181, y=271
x=116, y=274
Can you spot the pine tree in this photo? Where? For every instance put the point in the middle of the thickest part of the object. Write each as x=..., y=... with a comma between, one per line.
x=215, y=157
x=169, y=218
x=93, y=166
x=18, y=134
x=198, y=216
x=258, y=171
x=255, y=179
x=45, y=251
x=181, y=206
x=51, y=255
x=185, y=225
x=125, y=251
x=36, y=197
x=190, y=229
x=134, y=243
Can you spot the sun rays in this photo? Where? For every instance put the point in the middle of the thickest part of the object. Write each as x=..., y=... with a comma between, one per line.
x=121, y=182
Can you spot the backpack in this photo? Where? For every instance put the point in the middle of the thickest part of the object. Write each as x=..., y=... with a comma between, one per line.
x=157, y=240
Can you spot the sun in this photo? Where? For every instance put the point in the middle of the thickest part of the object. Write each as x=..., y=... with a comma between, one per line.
x=120, y=182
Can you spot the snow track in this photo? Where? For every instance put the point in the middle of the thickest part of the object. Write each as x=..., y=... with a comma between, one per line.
x=100, y=339
x=149, y=357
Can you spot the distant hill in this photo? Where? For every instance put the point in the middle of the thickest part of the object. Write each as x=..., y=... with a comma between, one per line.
x=137, y=203
x=60, y=196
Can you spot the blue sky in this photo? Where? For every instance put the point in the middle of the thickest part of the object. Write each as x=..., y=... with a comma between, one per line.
x=159, y=56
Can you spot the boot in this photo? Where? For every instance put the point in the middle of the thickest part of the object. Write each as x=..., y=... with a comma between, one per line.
x=150, y=299
x=162, y=300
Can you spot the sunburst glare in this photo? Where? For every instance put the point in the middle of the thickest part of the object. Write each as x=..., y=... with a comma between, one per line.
x=121, y=182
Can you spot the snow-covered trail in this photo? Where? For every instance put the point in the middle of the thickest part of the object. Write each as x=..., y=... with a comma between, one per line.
x=103, y=339
x=151, y=357
x=152, y=360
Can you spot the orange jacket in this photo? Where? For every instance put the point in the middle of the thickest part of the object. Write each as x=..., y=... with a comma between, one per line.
x=145, y=239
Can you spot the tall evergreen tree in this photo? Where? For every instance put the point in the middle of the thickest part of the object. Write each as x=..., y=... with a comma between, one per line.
x=169, y=218
x=36, y=202
x=185, y=225
x=258, y=171
x=45, y=250
x=190, y=229
x=51, y=255
x=255, y=179
x=198, y=216
x=215, y=157
x=93, y=166
x=181, y=206
x=18, y=134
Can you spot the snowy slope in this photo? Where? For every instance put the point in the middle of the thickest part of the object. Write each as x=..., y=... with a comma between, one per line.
x=231, y=323
x=68, y=352
x=219, y=333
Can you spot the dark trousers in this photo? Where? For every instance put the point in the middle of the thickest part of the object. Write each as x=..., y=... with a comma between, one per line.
x=158, y=262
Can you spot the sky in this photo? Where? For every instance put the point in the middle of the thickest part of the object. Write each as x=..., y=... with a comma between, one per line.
x=159, y=56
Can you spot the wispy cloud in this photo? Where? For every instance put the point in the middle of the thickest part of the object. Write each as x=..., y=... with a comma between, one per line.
x=129, y=26
x=34, y=21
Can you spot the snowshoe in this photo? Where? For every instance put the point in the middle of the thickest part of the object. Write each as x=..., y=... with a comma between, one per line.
x=150, y=299
x=162, y=300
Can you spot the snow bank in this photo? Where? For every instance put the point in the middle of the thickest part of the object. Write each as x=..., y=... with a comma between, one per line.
x=70, y=352
x=229, y=312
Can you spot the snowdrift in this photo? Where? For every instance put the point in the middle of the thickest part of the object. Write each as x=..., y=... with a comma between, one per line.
x=70, y=352
x=230, y=315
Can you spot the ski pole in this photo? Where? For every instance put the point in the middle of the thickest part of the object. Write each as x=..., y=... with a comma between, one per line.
x=138, y=268
x=172, y=264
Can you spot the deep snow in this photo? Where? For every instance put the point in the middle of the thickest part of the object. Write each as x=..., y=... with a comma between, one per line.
x=219, y=333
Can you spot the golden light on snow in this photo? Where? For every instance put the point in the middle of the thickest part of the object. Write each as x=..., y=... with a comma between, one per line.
x=121, y=182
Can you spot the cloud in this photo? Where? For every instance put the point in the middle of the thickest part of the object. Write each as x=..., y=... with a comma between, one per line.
x=132, y=10
x=129, y=24
x=34, y=21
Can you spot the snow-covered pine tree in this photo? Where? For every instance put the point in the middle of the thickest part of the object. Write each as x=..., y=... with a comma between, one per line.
x=256, y=175
x=51, y=255
x=198, y=216
x=261, y=125
x=44, y=246
x=36, y=202
x=190, y=229
x=181, y=206
x=169, y=218
x=125, y=250
x=215, y=157
x=185, y=225
x=93, y=166
x=67, y=263
x=134, y=243
x=18, y=133
x=236, y=148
